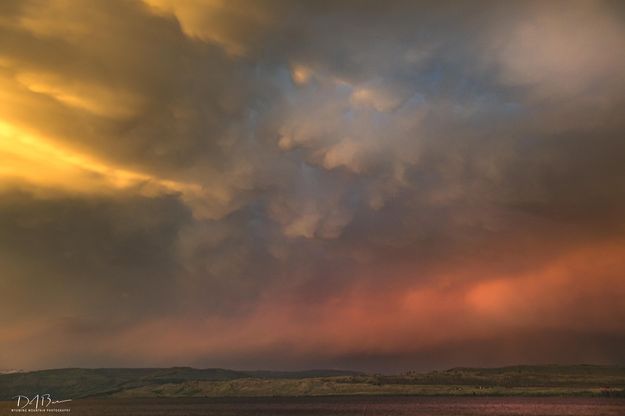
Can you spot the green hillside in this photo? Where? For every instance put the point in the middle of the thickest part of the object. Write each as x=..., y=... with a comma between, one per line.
x=82, y=382
x=189, y=382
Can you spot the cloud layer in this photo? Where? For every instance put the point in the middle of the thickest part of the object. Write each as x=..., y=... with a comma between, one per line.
x=311, y=184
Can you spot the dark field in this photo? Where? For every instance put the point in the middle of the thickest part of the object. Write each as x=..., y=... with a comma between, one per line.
x=520, y=390
x=368, y=406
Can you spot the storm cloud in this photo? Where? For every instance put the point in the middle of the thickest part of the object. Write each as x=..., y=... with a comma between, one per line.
x=357, y=184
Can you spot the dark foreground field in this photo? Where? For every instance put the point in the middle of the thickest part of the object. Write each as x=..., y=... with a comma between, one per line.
x=345, y=405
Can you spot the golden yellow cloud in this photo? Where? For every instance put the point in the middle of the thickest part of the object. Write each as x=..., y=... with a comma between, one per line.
x=230, y=24
x=97, y=99
x=29, y=158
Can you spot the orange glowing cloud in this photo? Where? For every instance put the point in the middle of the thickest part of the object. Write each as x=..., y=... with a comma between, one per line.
x=560, y=295
x=580, y=290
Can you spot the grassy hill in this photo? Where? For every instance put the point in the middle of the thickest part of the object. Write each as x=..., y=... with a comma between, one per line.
x=83, y=382
x=189, y=382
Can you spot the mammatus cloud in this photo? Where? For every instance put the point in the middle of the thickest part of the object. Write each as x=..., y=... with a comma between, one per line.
x=313, y=184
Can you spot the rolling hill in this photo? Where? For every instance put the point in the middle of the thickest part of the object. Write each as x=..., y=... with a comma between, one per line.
x=78, y=383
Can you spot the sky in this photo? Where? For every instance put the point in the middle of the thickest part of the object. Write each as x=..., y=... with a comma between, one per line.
x=373, y=185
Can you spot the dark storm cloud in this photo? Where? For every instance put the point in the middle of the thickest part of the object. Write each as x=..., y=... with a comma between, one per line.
x=69, y=256
x=263, y=160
